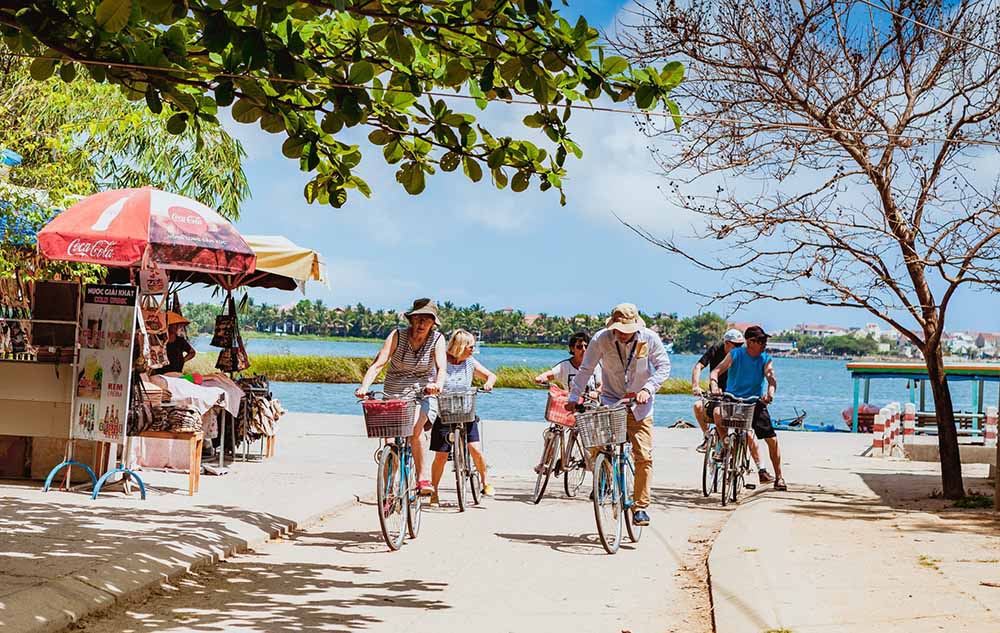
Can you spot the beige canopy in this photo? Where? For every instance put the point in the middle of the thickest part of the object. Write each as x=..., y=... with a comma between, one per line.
x=280, y=264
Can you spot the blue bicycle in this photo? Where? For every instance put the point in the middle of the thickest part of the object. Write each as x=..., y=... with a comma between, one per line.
x=391, y=421
x=605, y=429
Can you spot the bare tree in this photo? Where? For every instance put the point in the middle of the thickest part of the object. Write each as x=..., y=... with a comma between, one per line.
x=860, y=126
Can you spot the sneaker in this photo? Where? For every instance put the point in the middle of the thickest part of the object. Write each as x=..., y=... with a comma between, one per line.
x=640, y=518
x=488, y=490
x=764, y=477
x=426, y=489
x=703, y=446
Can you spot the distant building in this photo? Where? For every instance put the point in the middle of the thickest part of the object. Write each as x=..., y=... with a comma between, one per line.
x=781, y=347
x=819, y=330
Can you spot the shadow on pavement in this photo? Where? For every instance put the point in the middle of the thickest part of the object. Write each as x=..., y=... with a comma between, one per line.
x=581, y=544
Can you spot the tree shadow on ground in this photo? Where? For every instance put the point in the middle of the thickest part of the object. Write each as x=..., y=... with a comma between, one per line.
x=920, y=493
x=277, y=597
x=580, y=544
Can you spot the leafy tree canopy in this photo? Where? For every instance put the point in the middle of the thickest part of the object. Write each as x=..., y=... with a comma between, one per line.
x=313, y=68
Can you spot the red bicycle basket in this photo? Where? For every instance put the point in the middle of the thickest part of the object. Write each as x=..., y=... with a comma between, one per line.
x=555, y=408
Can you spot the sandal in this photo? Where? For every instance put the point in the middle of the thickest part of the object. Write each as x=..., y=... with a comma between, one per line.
x=779, y=484
x=764, y=477
x=426, y=489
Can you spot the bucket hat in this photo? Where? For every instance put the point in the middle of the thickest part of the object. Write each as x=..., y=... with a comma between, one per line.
x=424, y=306
x=625, y=319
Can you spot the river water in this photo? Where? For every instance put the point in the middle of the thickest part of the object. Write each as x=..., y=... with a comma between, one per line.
x=820, y=387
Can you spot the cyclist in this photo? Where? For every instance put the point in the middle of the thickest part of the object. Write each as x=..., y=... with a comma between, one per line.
x=748, y=367
x=711, y=359
x=633, y=361
x=564, y=371
x=462, y=368
x=417, y=365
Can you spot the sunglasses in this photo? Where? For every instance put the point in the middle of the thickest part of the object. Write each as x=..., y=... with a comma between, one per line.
x=759, y=341
x=580, y=346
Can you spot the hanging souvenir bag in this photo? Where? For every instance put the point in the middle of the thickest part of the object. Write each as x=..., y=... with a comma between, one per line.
x=225, y=327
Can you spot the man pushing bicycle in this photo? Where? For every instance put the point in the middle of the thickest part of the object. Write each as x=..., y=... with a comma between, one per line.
x=633, y=361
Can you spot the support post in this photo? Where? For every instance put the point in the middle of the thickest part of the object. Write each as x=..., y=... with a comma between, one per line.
x=909, y=424
x=868, y=389
x=878, y=434
x=923, y=395
x=990, y=436
x=854, y=415
x=976, y=387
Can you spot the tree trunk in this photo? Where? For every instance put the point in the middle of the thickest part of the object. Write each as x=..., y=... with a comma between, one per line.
x=951, y=461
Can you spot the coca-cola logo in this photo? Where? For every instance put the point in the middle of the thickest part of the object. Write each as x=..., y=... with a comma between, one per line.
x=92, y=249
x=187, y=221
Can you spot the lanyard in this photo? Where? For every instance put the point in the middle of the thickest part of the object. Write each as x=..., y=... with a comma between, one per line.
x=626, y=364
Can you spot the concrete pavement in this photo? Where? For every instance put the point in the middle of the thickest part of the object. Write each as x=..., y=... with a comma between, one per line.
x=857, y=544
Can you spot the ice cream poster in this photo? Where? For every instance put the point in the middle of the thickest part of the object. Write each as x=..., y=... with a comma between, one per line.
x=107, y=327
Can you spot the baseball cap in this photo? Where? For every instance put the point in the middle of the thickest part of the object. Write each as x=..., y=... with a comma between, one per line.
x=755, y=331
x=733, y=336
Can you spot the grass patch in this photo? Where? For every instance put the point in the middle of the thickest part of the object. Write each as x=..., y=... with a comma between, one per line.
x=348, y=370
x=749, y=550
x=778, y=631
x=974, y=502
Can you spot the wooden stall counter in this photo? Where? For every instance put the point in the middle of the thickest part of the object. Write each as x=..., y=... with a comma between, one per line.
x=196, y=440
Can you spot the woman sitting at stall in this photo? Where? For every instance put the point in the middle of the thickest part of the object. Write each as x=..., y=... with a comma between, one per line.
x=461, y=370
x=416, y=359
x=179, y=350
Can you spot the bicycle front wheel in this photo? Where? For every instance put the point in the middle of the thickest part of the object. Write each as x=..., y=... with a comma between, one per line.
x=575, y=472
x=415, y=501
x=459, y=454
x=475, y=477
x=607, y=505
x=634, y=531
x=390, y=496
x=542, y=480
x=726, y=460
x=709, y=467
x=739, y=456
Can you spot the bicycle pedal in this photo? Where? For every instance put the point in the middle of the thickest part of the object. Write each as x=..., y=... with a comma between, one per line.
x=750, y=486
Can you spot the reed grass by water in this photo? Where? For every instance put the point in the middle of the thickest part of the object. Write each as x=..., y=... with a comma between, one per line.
x=344, y=370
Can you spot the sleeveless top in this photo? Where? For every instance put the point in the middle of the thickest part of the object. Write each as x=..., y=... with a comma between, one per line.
x=460, y=375
x=410, y=370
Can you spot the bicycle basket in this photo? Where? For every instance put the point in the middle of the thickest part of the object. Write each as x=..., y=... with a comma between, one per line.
x=737, y=415
x=457, y=407
x=555, y=408
x=602, y=426
x=389, y=417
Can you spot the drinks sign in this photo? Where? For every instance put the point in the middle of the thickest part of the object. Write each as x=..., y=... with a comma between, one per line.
x=107, y=330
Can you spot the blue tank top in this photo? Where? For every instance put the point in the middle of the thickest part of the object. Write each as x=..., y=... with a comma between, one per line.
x=745, y=376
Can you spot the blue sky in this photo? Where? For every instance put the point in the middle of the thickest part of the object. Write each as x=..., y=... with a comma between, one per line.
x=470, y=243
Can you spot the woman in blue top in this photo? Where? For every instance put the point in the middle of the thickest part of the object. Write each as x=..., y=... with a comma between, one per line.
x=746, y=369
x=461, y=368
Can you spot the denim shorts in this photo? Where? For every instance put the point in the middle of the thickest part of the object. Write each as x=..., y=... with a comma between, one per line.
x=439, y=435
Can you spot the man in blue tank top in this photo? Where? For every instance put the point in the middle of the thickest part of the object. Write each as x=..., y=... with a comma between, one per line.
x=746, y=369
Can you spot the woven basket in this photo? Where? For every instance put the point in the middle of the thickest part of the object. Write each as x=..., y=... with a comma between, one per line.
x=603, y=426
x=457, y=407
x=555, y=408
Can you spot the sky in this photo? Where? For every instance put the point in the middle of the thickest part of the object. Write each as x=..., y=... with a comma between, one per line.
x=471, y=243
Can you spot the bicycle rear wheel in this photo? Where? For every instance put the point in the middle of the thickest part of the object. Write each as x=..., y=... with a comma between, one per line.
x=542, y=480
x=391, y=503
x=415, y=501
x=634, y=531
x=475, y=477
x=575, y=472
x=459, y=453
x=607, y=505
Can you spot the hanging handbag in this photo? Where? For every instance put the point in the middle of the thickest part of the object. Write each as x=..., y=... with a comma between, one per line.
x=225, y=326
x=140, y=410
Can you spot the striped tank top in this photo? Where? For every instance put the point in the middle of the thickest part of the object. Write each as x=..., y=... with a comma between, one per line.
x=410, y=370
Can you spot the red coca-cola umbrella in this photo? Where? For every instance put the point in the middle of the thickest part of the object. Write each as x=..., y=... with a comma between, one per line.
x=116, y=228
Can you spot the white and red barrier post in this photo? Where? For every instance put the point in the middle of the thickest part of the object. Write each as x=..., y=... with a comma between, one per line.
x=909, y=423
x=878, y=434
x=990, y=436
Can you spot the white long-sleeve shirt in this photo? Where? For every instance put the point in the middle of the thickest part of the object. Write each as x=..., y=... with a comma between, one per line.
x=642, y=363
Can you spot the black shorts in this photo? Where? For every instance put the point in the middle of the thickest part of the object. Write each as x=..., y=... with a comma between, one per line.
x=440, y=432
x=762, y=426
x=710, y=410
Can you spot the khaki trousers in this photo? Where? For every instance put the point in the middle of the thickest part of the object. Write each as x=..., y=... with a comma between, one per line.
x=640, y=433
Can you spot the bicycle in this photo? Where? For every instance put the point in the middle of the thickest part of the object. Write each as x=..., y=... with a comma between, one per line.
x=458, y=409
x=605, y=428
x=391, y=422
x=733, y=459
x=562, y=452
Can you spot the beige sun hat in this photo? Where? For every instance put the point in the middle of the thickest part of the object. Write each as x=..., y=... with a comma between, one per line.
x=625, y=319
x=424, y=306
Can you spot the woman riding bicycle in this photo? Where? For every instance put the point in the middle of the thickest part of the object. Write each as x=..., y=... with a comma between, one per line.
x=417, y=366
x=462, y=368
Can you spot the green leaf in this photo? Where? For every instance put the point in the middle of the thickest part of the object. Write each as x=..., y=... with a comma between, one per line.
x=499, y=178
x=113, y=15
x=614, y=65
x=399, y=47
x=246, y=111
x=42, y=69
x=361, y=186
x=177, y=123
x=411, y=176
x=536, y=120
x=224, y=93
x=379, y=137
x=472, y=169
x=645, y=97
x=450, y=161
x=293, y=146
x=67, y=72
x=496, y=158
x=153, y=100
x=361, y=73
x=273, y=123
x=675, y=112
x=332, y=123
x=520, y=181
x=672, y=75
x=455, y=73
